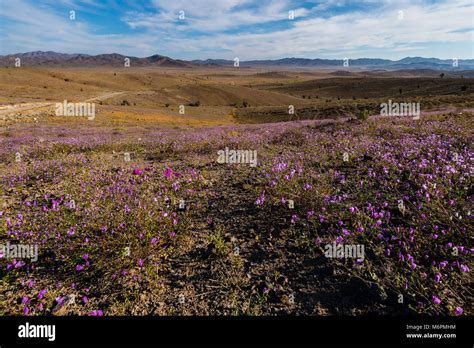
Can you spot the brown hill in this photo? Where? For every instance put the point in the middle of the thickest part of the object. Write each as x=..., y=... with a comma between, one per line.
x=53, y=59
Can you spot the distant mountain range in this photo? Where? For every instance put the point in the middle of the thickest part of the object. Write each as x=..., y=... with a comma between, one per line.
x=40, y=58
x=51, y=59
x=366, y=63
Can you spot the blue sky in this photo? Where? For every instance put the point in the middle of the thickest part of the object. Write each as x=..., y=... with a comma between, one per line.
x=247, y=29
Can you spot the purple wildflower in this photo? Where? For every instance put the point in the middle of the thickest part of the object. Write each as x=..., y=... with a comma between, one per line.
x=435, y=300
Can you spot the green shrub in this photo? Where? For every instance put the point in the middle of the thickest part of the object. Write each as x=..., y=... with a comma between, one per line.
x=362, y=115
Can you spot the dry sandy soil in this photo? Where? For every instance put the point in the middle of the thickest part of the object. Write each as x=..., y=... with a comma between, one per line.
x=212, y=96
x=185, y=261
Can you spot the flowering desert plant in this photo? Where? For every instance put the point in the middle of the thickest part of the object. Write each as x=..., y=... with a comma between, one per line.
x=111, y=232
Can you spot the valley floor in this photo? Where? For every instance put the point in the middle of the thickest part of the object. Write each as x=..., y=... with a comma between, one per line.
x=143, y=220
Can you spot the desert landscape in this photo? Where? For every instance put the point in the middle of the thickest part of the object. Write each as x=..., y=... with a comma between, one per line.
x=241, y=172
x=132, y=213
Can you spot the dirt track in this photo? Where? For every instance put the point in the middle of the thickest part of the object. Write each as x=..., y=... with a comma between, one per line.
x=35, y=107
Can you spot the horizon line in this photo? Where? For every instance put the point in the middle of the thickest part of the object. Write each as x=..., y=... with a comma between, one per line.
x=231, y=59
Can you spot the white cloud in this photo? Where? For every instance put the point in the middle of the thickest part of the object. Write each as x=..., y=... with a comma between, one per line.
x=220, y=29
x=382, y=30
x=211, y=15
